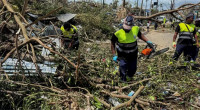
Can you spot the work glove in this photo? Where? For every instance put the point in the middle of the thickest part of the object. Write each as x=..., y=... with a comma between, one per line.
x=150, y=44
x=199, y=31
x=115, y=58
x=174, y=44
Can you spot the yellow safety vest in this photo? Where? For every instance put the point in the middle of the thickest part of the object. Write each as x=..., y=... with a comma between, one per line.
x=164, y=20
x=70, y=32
x=186, y=32
x=129, y=37
x=127, y=42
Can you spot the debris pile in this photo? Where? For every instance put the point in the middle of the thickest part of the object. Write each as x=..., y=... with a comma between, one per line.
x=87, y=78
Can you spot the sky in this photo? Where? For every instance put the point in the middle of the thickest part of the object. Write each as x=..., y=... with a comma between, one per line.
x=166, y=3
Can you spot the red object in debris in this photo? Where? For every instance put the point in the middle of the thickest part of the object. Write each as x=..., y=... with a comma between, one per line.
x=104, y=60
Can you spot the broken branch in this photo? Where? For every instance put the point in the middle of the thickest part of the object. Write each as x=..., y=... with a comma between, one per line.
x=131, y=100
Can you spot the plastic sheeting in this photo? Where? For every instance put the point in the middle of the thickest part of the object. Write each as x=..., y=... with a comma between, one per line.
x=12, y=65
x=50, y=30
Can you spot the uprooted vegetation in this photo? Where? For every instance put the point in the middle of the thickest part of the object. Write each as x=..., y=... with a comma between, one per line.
x=88, y=78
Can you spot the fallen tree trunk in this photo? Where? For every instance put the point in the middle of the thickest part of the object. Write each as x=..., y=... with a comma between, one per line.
x=164, y=12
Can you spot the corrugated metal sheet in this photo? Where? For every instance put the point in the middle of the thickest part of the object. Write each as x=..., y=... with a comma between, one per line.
x=65, y=17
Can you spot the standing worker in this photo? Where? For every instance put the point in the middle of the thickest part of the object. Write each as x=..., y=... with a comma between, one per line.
x=172, y=24
x=156, y=25
x=148, y=25
x=164, y=21
x=70, y=36
x=125, y=42
x=185, y=41
x=196, y=47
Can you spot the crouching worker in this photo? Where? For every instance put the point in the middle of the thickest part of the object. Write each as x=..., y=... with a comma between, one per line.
x=124, y=41
x=70, y=36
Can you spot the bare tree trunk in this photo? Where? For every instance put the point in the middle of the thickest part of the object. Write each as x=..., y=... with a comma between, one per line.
x=103, y=3
x=141, y=8
x=124, y=1
x=137, y=3
x=145, y=8
x=150, y=8
x=172, y=4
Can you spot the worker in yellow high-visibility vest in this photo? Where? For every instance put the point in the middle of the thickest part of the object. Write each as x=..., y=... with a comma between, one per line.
x=124, y=47
x=164, y=21
x=70, y=36
x=186, y=38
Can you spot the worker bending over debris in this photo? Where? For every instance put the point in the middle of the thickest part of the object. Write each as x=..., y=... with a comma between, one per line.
x=70, y=36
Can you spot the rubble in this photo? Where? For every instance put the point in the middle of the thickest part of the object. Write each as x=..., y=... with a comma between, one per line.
x=87, y=78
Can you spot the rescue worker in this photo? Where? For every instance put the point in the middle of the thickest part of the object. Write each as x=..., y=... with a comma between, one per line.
x=196, y=47
x=172, y=24
x=125, y=42
x=155, y=25
x=164, y=21
x=185, y=41
x=70, y=36
x=148, y=25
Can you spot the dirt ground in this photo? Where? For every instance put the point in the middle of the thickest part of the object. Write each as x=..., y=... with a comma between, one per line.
x=162, y=37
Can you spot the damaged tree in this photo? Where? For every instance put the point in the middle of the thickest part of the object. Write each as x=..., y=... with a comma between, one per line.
x=94, y=83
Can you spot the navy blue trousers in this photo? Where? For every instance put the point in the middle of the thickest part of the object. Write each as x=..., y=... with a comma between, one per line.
x=127, y=67
x=185, y=49
x=195, y=53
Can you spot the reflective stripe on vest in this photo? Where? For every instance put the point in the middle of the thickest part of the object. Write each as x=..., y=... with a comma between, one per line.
x=127, y=48
x=127, y=42
x=185, y=35
x=184, y=32
x=70, y=32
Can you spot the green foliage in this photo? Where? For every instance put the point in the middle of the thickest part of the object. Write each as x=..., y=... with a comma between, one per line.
x=97, y=27
x=44, y=8
x=41, y=100
x=18, y=3
x=97, y=103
